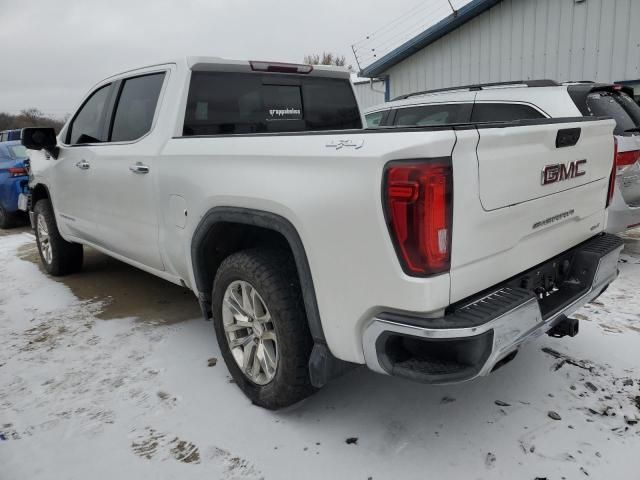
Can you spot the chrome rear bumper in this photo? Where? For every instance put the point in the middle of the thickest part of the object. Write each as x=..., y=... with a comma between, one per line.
x=477, y=335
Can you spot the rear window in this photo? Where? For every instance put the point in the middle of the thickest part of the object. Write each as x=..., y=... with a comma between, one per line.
x=438, y=114
x=631, y=107
x=607, y=104
x=503, y=112
x=235, y=103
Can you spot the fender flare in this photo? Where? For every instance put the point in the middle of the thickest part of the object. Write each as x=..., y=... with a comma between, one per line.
x=37, y=186
x=269, y=221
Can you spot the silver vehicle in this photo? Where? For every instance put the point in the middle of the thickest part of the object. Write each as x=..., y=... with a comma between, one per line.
x=535, y=100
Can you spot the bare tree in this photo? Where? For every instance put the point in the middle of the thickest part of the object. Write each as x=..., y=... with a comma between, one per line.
x=29, y=117
x=327, y=58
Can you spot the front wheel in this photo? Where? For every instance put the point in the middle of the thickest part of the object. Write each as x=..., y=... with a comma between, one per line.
x=262, y=328
x=58, y=256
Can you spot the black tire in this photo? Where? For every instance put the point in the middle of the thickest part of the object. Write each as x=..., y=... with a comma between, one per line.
x=7, y=219
x=273, y=275
x=66, y=257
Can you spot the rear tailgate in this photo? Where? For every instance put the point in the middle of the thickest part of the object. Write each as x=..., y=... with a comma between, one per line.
x=538, y=188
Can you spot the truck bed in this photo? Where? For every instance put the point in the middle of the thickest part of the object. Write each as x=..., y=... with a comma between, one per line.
x=328, y=185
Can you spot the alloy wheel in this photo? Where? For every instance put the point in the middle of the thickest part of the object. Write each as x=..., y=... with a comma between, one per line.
x=250, y=332
x=44, y=241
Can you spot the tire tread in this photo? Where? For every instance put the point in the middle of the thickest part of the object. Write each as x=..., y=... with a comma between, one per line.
x=274, y=273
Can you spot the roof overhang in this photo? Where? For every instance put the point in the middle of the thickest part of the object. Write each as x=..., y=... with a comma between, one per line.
x=439, y=30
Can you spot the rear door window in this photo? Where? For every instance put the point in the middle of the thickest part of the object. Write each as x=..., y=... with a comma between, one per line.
x=503, y=112
x=88, y=124
x=606, y=104
x=136, y=107
x=239, y=103
x=436, y=114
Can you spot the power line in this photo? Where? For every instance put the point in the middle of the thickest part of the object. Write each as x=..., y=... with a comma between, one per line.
x=403, y=28
x=414, y=10
x=421, y=25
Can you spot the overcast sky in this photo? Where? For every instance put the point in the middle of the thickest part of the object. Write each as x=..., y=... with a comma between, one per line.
x=54, y=50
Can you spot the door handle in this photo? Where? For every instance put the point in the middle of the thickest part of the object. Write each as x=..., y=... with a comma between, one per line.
x=83, y=165
x=139, y=167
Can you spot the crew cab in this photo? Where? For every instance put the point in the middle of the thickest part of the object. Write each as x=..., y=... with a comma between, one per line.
x=430, y=253
x=531, y=99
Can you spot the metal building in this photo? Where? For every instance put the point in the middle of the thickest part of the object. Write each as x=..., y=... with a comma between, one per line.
x=502, y=40
x=369, y=92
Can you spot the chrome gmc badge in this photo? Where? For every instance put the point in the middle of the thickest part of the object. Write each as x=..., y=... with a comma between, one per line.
x=560, y=171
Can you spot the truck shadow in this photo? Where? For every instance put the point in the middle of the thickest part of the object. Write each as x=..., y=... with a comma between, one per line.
x=123, y=290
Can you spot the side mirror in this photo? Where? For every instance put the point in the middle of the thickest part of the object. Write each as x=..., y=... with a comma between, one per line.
x=40, y=138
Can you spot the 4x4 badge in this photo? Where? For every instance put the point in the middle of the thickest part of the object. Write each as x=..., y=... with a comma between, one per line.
x=339, y=144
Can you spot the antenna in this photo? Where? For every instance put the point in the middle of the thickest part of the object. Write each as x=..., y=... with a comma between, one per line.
x=353, y=49
x=455, y=12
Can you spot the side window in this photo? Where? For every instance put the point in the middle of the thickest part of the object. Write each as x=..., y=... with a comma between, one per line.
x=436, y=114
x=503, y=112
x=136, y=107
x=87, y=126
x=374, y=119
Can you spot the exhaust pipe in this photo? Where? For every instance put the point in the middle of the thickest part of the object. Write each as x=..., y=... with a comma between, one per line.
x=565, y=327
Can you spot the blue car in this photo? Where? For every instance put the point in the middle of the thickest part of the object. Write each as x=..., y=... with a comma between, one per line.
x=13, y=181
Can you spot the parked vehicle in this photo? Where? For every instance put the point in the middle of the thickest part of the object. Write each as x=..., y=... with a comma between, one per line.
x=533, y=100
x=430, y=253
x=8, y=135
x=13, y=181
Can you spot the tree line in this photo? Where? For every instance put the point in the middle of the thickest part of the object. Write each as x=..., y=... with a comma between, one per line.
x=327, y=58
x=30, y=117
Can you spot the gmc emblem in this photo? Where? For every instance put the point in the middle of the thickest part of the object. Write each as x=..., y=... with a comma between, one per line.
x=560, y=171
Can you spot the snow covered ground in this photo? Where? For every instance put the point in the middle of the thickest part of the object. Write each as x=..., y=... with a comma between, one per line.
x=84, y=397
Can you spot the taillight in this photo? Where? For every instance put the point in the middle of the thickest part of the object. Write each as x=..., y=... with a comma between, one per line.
x=18, y=172
x=624, y=159
x=278, y=67
x=418, y=196
x=614, y=171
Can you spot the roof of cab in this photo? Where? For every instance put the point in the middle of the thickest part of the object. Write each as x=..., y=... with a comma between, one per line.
x=209, y=63
x=225, y=64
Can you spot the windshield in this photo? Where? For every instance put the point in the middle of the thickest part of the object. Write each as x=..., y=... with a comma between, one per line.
x=18, y=151
x=609, y=104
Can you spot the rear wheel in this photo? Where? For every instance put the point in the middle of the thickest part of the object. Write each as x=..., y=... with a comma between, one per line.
x=262, y=328
x=58, y=256
x=7, y=219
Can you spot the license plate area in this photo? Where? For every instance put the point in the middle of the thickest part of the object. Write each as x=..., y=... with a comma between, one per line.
x=560, y=281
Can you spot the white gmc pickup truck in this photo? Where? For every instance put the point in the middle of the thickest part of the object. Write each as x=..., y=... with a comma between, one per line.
x=430, y=253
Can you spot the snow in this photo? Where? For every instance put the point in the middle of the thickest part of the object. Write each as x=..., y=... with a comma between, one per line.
x=82, y=397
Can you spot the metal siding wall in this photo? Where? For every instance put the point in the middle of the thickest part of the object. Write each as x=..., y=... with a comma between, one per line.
x=526, y=39
x=621, y=44
x=554, y=32
x=367, y=97
x=633, y=52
